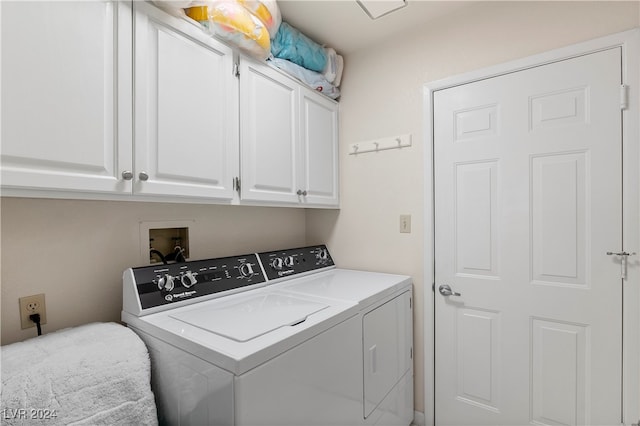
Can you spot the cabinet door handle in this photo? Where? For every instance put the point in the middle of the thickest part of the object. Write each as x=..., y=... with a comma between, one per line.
x=301, y=192
x=127, y=175
x=143, y=176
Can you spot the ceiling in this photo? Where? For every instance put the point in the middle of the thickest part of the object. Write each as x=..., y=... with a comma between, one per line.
x=344, y=26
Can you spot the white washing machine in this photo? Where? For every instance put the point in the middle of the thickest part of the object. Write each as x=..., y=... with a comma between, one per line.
x=275, y=338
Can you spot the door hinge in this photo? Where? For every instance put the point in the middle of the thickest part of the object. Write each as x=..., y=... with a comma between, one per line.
x=410, y=303
x=236, y=184
x=624, y=97
x=236, y=69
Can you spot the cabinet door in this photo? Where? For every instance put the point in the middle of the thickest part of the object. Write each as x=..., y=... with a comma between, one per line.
x=319, y=149
x=66, y=95
x=186, y=111
x=268, y=134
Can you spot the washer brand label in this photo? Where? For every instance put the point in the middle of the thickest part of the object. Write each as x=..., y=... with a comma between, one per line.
x=172, y=297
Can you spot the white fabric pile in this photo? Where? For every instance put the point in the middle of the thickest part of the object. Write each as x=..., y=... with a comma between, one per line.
x=96, y=374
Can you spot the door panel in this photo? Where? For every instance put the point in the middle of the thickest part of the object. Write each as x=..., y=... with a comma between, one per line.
x=476, y=221
x=559, y=237
x=559, y=368
x=478, y=364
x=528, y=200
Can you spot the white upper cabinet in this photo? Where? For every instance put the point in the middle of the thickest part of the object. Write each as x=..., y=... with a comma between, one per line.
x=268, y=135
x=288, y=138
x=186, y=109
x=66, y=95
x=319, y=149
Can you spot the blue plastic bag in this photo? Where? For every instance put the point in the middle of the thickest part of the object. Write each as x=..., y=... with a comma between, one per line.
x=292, y=45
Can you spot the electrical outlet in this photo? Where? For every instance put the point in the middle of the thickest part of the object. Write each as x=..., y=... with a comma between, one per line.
x=405, y=223
x=32, y=305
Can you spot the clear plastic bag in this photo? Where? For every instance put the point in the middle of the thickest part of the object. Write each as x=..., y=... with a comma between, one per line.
x=268, y=13
x=232, y=22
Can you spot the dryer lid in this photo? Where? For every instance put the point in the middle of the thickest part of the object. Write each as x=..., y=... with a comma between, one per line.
x=251, y=317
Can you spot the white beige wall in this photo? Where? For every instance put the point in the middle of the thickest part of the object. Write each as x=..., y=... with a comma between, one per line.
x=382, y=95
x=75, y=251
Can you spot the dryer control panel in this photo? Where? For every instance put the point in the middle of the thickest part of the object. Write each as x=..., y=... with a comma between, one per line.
x=291, y=262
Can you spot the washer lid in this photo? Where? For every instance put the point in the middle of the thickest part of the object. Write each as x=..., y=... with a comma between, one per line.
x=251, y=317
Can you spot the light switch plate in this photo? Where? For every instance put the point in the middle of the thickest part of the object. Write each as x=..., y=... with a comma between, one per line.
x=405, y=223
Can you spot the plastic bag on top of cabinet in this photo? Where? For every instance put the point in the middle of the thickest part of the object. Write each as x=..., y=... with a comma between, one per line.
x=268, y=13
x=311, y=78
x=176, y=7
x=229, y=20
x=232, y=22
x=332, y=71
x=292, y=45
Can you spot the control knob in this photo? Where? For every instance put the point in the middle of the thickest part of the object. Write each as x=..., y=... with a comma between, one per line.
x=322, y=255
x=166, y=282
x=246, y=270
x=277, y=263
x=288, y=261
x=188, y=279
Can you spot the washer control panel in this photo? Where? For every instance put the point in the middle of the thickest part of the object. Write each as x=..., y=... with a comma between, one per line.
x=164, y=284
x=290, y=262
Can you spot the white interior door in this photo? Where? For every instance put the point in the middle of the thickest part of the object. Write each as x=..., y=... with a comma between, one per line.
x=528, y=200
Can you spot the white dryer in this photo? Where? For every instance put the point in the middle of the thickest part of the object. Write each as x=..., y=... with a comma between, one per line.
x=276, y=338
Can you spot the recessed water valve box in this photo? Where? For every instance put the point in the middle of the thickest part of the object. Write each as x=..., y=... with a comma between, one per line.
x=169, y=242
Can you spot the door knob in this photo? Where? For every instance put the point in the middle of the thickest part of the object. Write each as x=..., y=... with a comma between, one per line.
x=445, y=290
x=127, y=175
x=143, y=176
